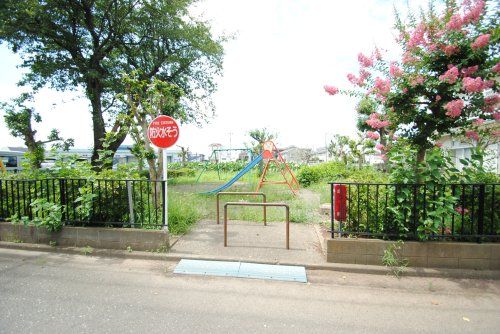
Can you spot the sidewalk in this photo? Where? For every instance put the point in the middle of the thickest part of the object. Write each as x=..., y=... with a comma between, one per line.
x=251, y=241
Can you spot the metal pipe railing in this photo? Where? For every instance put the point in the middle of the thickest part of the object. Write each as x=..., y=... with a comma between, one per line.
x=287, y=216
x=232, y=193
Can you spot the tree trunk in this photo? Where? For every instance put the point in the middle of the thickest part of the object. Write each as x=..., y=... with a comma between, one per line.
x=420, y=160
x=94, y=93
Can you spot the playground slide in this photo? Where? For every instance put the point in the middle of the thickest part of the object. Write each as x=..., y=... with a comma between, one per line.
x=245, y=170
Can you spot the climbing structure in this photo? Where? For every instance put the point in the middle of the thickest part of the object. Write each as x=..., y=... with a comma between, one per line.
x=272, y=155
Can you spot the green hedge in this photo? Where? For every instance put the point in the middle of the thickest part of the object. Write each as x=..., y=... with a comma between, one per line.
x=338, y=172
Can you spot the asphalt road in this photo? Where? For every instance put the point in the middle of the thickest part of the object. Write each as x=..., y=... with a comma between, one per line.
x=59, y=293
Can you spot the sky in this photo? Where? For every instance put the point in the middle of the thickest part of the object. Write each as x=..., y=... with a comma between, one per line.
x=283, y=53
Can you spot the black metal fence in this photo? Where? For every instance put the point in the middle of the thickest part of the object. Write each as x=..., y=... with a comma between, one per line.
x=466, y=212
x=85, y=202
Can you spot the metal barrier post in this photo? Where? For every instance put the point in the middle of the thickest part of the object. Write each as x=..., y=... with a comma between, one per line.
x=287, y=216
x=227, y=193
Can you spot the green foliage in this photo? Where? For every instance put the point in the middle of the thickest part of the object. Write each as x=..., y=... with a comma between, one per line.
x=88, y=44
x=393, y=259
x=186, y=172
x=87, y=250
x=85, y=202
x=47, y=214
x=19, y=117
x=338, y=172
x=182, y=213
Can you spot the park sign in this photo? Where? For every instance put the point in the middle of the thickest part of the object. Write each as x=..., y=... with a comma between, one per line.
x=163, y=131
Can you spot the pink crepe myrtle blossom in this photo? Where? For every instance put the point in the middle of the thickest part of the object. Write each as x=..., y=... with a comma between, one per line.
x=496, y=116
x=472, y=135
x=432, y=47
x=473, y=12
x=496, y=68
x=331, y=89
x=375, y=122
x=383, y=157
x=380, y=147
x=365, y=61
x=492, y=99
x=488, y=84
x=418, y=80
x=381, y=88
x=372, y=135
x=363, y=74
x=454, y=108
x=394, y=70
x=455, y=22
x=451, y=75
x=468, y=71
x=481, y=41
x=478, y=121
x=450, y=49
x=438, y=98
x=462, y=211
x=409, y=58
x=376, y=54
x=473, y=85
x=439, y=145
x=417, y=37
x=352, y=78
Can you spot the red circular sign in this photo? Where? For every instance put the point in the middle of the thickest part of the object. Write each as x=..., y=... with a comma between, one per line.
x=163, y=131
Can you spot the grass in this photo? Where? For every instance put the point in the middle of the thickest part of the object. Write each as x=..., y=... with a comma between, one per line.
x=187, y=205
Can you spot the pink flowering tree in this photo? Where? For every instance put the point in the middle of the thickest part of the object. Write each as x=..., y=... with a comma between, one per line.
x=445, y=80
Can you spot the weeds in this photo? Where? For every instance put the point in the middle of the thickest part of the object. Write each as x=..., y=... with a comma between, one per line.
x=393, y=259
x=87, y=250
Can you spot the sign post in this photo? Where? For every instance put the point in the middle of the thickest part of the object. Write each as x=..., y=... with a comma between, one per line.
x=163, y=132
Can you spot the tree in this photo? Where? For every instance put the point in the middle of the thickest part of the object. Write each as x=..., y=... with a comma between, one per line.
x=89, y=43
x=148, y=99
x=19, y=116
x=444, y=81
x=184, y=155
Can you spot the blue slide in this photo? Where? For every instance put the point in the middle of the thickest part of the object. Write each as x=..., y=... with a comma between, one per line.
x=245, y=170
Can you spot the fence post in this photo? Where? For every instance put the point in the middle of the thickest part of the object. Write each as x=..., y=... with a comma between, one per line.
x=164, y=203
x=62, y=191
x=480, y=214
x=130, y=204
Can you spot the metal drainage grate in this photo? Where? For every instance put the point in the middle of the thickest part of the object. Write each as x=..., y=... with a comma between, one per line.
x=242, y=270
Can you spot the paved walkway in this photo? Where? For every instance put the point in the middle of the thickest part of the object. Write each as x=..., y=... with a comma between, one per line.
x=59, y=293
x=250, y=241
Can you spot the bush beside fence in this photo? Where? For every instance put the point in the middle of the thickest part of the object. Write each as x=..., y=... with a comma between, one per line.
x=467, y=212
x=84, y=202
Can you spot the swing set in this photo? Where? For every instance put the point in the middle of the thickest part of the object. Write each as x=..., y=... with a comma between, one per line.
x=216, y=155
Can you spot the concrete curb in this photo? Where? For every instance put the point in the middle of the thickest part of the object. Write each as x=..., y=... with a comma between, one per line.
x=339, y=267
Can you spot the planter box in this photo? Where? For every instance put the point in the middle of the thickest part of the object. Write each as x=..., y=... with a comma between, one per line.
x=96, y=237
x=456, y=255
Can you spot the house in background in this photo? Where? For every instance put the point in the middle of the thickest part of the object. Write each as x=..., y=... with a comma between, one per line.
x=462, y=150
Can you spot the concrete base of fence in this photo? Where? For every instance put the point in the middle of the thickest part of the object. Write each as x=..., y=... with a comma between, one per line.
x=96, y=237
x=453, y=255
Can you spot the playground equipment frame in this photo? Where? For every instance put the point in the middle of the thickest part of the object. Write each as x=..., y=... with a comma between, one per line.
x=229, y=193
x=287, y=216
x=214, y=152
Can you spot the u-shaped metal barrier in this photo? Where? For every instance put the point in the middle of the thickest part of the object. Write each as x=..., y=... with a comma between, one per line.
x=287, y=216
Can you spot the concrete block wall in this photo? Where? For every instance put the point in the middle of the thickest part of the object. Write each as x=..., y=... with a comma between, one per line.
x=456, y=255
x=96, y=237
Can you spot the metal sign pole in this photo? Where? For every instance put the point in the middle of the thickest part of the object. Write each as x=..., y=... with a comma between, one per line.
x=165, y=195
